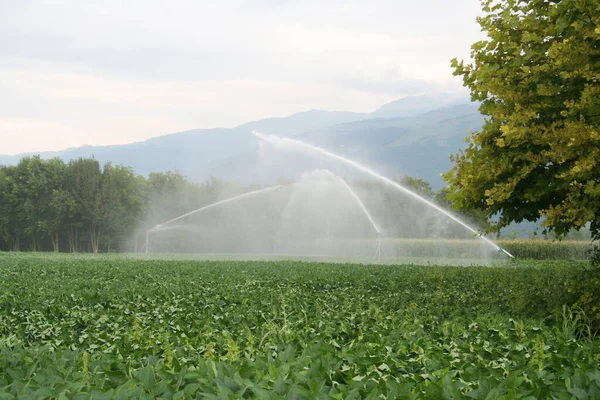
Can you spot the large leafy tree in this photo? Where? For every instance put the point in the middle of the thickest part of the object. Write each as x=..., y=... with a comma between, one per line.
x=537, y=76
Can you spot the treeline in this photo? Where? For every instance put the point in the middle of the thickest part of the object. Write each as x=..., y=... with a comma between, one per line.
x=81, y=206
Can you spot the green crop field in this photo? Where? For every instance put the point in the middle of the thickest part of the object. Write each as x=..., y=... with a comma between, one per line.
x=109, y=327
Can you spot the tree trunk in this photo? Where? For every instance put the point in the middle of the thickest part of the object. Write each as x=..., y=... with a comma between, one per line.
x=94, y=238
x=17, y=245
x=54, y=239
x=71, y=239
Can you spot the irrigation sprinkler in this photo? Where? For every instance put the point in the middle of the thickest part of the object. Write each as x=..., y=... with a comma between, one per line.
x=379, y=252
x=513, y=259
x=507, y=253
x=148, y=236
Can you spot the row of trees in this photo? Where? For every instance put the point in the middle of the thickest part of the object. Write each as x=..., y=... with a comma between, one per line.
x=83, y=206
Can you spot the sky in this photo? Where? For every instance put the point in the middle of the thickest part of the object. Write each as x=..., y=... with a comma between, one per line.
x=86, y=72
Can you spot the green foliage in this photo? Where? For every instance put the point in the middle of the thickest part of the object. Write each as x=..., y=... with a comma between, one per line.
x=85, y=207
x=111, y=327
x=587, y=286
x=82, y=206
x=478, y=218
x=448, y=250
x=537, y=78
x=547, y=249
x=417, y=185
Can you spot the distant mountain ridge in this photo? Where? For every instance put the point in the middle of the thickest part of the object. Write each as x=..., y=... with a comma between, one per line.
x=411, y=136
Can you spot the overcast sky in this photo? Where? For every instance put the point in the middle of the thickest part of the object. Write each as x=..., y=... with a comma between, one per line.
x=105, y=72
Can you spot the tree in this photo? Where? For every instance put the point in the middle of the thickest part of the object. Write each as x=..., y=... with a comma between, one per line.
x=12, y=207
x=123, y=191
x=5, y=207
x=418, y=185
x=60, y=216
x=477, y=218
x=165, y=197
x=55, y=201
x=87, y=191
x=73, y=219
x=31, y=193
x=537, y=76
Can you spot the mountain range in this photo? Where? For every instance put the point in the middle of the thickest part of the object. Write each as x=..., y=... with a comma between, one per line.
x=411, y=136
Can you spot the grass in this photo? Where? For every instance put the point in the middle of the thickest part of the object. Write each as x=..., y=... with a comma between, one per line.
x=115, y=327
x=414, y=250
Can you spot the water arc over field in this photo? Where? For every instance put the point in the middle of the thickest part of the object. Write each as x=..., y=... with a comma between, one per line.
x=354, y=196
x=163, y=226
x=213, y=205
x=283, y=142
x=318, y=210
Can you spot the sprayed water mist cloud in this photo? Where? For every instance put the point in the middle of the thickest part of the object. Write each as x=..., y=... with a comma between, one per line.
x=333, y=215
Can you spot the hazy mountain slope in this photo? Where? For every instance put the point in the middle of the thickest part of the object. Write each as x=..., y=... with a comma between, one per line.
x=198, y=147
x=418, y=145
x=185, y=151
x=291, y=125
x=302, y=122
x=414, y=105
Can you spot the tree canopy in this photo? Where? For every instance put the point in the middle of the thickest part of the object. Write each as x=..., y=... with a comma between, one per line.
x=84, y=206
x=537, y=76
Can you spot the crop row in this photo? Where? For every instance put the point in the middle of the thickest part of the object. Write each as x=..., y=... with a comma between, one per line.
x=432, y=250
x=110, y=327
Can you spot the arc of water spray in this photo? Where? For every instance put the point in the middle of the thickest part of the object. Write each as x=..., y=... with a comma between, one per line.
x=275, y=140
x=239, y=197
x=218, y=203
x=379, y=252
x=356, y=198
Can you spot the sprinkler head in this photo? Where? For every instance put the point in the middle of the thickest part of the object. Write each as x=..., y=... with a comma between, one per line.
x=507, y=253
x=513, y=259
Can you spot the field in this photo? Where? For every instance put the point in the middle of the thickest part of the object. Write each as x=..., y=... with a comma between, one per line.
x=110, y=327
x=458, y=252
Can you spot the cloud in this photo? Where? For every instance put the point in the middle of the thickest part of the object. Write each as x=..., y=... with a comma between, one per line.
x=57, y=110
x=298, y=40
x=400, y=87
x=150, y=95
x=79, y=64
x=22, y=135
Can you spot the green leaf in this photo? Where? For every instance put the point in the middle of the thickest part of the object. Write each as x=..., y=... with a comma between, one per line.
x=146, y=376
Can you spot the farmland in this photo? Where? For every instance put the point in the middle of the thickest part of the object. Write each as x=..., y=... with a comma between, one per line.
x=112, y=327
